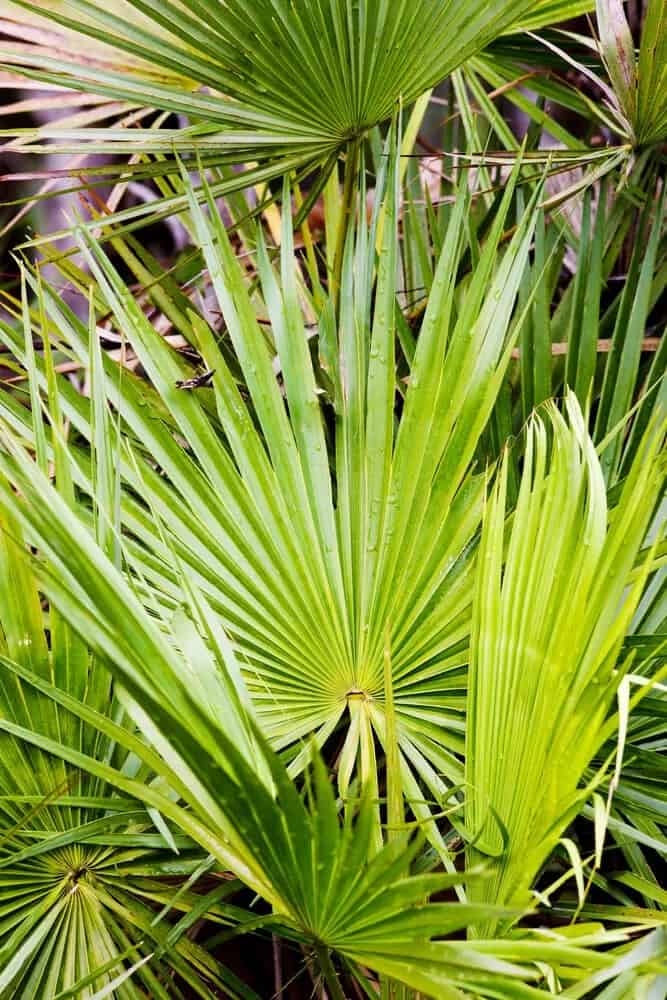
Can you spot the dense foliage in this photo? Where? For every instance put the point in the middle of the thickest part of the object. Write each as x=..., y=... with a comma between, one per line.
x=333, y=602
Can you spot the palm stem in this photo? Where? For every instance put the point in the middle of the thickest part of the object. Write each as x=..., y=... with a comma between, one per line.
x=329, y=974
x=347, y=211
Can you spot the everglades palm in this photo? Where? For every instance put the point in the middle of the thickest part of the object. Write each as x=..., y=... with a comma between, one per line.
x=222, y=787
x=198, y=499
x=304, y=498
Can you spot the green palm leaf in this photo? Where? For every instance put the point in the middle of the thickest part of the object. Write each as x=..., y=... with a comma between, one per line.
x=312, y=75
x=78, y=862
x=539, y=706
x=313, y=573
x=271, y=83
x=81, y=867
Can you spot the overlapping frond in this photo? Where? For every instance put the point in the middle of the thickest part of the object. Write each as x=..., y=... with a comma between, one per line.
x=82, y=866
x=326, y=882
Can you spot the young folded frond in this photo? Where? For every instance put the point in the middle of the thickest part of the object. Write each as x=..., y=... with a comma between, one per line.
x=556, y=592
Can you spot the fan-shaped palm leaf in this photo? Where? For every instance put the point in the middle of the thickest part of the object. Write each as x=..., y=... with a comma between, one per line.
x=320, y=578
x=278, y=85
x=550, y=620
x=82, y=868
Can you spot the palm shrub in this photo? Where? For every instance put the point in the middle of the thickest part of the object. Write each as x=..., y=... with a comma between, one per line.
x=147, y=482
x=288, y=542
x=223, y=788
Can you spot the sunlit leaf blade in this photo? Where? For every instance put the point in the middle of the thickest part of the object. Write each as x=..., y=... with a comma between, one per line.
x=379, y=918
x=540, y=707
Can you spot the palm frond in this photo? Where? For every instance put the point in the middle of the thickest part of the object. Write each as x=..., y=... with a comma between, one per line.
x=81, y=867
x=260, y=83
x=540, y=707
x=254, y=490
x=377, y=919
